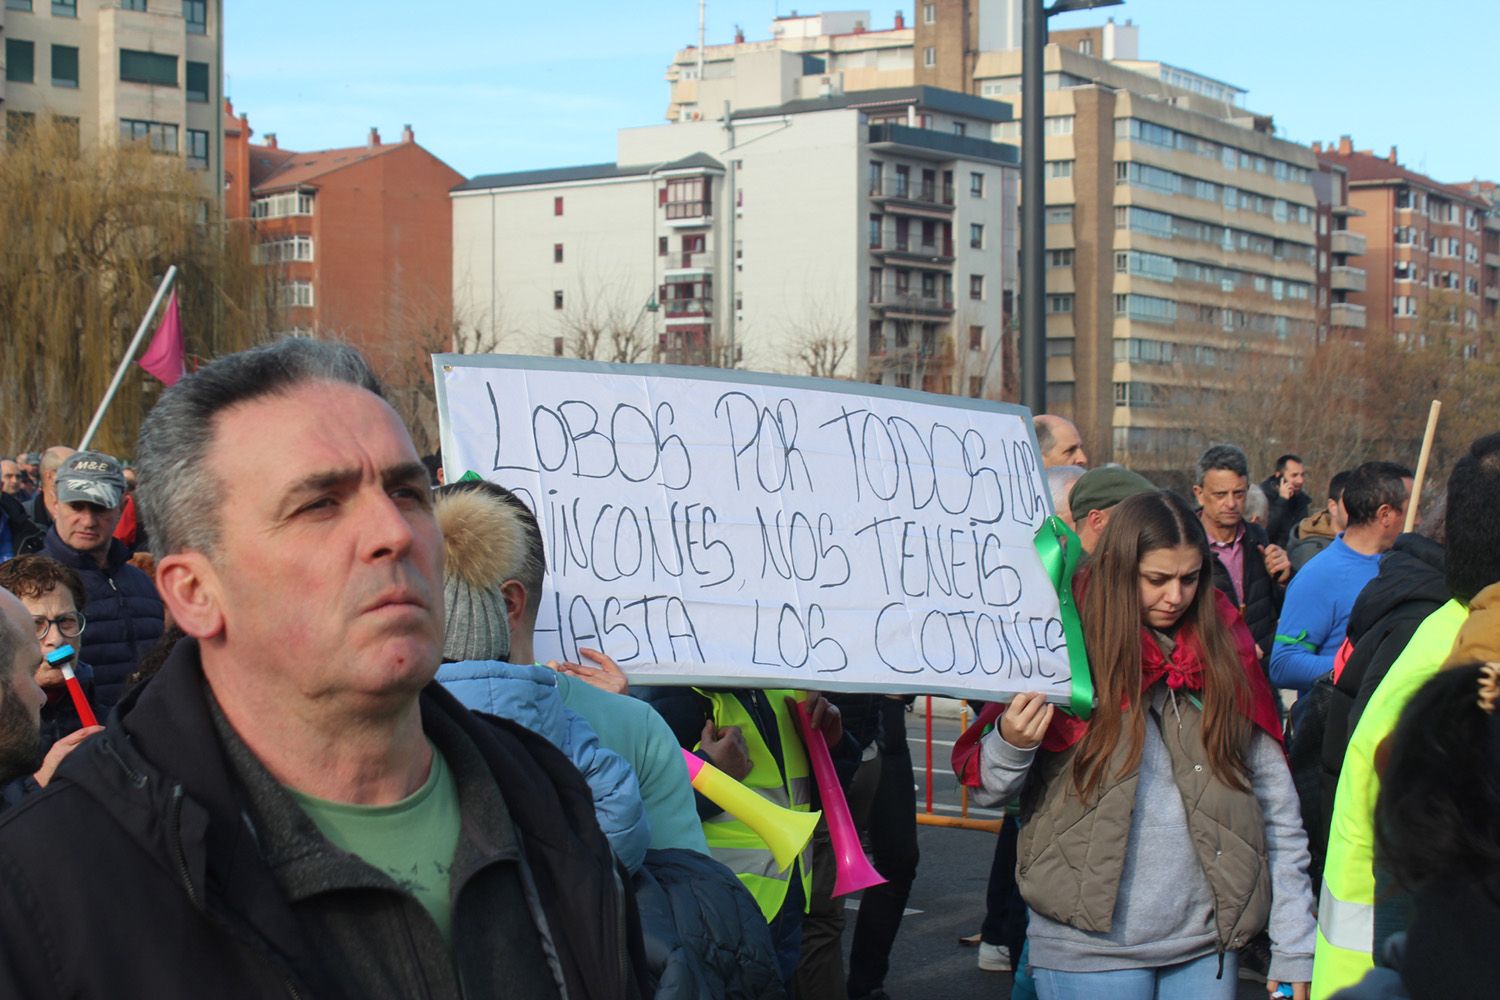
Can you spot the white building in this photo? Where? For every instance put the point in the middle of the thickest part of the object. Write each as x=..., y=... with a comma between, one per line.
x=868, y=235
x=120, y=70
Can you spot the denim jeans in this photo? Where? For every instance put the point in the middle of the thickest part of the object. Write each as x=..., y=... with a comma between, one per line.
x=1195, y=980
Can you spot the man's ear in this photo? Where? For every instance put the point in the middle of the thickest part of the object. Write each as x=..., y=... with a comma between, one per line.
x=1097, y=521
x=189, y=587
x=1198, y=495
x=514, y=592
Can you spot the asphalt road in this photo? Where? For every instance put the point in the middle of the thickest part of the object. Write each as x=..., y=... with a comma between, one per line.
x=947, y=901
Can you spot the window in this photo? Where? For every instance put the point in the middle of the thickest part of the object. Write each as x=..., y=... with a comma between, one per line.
x=195, y=12
x=875, y=231
x=1060, y=258
x=18, y=125
x=297, y=293
x=1058, y=125
x=1059, y=169
x=133, y=4
x=877, y=173
x=929, y=13
x=661, y=246
x=557, y=253
x=18, y=5
x=960, y=128
x=64, y=8
x=156, y=68
x=557, y=209
x=20, y=61
x=688, y=197
x=976, y=235
x=877, y=339
x=197, y=149
x=976, y=185
x=976, y=286
x=976, y=338
x=65, y=66
x=197, y=82
x=278, y=206
x=1060, y=216
x=1086, y=46
x=161, y=135
x=557, y=299
x=1059, y=303
x=929, y=57
x=296, y=248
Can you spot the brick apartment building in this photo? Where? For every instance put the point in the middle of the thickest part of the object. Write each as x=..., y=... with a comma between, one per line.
x=362, y=236
x=1427, y=248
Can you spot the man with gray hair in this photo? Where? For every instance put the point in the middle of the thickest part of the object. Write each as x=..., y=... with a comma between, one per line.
x=290, y=794
x=40, y=507
x=1250, y=570
x=1060, y=480
x=1059, y=442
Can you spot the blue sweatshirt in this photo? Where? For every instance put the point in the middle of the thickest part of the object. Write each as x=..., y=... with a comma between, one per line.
x=1315, y=614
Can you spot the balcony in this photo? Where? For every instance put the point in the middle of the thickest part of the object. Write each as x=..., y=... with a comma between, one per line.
x=928, y=199
x=1346, y=241
x=1492, y=292
x=688, y=265
x=912, y=249
x=682, y=214
x=1347, y=314
x=1491, y=259
x=1346, y=279
x=913, y=302
x=687, y=310
x=930, y=144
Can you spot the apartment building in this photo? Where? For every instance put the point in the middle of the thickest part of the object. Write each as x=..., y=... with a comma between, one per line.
x=361, y=237
x=1429, y=269
x=1181, y=244
x=1182, y=236
x=146, y=71
x=866, y=236
x=1341, y=250
x=835, y=52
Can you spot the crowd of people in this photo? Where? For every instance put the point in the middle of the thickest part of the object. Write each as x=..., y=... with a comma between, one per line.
x=329, y=764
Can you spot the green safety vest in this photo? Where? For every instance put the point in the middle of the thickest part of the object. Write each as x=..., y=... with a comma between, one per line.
x=731, y=841
x=1346, y=906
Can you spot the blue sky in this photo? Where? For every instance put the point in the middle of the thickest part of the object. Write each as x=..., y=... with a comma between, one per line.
x=495, y=86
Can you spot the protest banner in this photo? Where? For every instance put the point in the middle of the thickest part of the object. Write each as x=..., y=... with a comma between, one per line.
x=729, y=528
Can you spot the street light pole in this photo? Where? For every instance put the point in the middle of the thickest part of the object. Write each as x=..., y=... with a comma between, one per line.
x=1033, y=196
x=1033, y=236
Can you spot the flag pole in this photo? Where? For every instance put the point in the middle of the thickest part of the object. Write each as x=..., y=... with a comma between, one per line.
x=135, y=345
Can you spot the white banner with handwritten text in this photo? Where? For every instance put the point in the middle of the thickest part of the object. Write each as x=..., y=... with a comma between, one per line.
x=730, y=528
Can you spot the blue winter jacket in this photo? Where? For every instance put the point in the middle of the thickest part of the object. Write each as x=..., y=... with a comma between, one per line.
x=528, y=695
x=125, y=616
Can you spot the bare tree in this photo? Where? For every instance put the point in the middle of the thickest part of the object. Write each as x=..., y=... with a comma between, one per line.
x=605, y=320
x=88, y=233
x=819, y=342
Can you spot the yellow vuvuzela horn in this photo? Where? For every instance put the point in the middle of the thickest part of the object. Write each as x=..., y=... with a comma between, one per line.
x=785, y=831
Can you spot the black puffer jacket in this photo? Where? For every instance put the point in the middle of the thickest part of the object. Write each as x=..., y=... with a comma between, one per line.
x=1260, y=596
x=705, y=937
x=1409, y=587
x=1283, y=515
x=173, y=847
x=125, y=615
x=25, y=534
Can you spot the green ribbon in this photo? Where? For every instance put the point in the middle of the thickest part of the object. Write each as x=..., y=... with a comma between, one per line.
x=1060, y=552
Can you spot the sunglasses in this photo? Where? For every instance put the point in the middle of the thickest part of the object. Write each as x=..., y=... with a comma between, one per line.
x=69, y=624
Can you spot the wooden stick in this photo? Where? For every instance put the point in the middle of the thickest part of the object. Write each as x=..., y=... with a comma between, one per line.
x=1416, y=483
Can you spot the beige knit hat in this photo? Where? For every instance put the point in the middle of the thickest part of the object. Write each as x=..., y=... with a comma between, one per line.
x=483, y=543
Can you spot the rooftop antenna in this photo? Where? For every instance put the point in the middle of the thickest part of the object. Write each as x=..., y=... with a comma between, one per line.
x=702, y=35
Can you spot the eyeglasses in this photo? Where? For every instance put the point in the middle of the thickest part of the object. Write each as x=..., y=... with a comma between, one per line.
x=69, y=624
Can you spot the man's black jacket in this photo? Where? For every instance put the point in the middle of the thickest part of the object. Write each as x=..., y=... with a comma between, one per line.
x=1259, y=596
x=25, y=534
x=1282, y=515
x=139, y=871
x=1410, y=586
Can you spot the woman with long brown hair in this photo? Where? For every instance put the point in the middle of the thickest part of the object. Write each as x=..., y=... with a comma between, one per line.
x=1163, y=834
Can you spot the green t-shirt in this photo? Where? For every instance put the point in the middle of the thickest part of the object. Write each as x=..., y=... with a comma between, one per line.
x=412, y=841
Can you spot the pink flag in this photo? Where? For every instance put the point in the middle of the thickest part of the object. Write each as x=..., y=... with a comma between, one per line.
x=164, y=356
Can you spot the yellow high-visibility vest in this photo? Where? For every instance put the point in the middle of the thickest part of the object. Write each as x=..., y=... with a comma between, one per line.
x=1346, y=906
x=731, y=841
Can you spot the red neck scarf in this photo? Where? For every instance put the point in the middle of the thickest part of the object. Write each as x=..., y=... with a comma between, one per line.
x=1183, y=670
